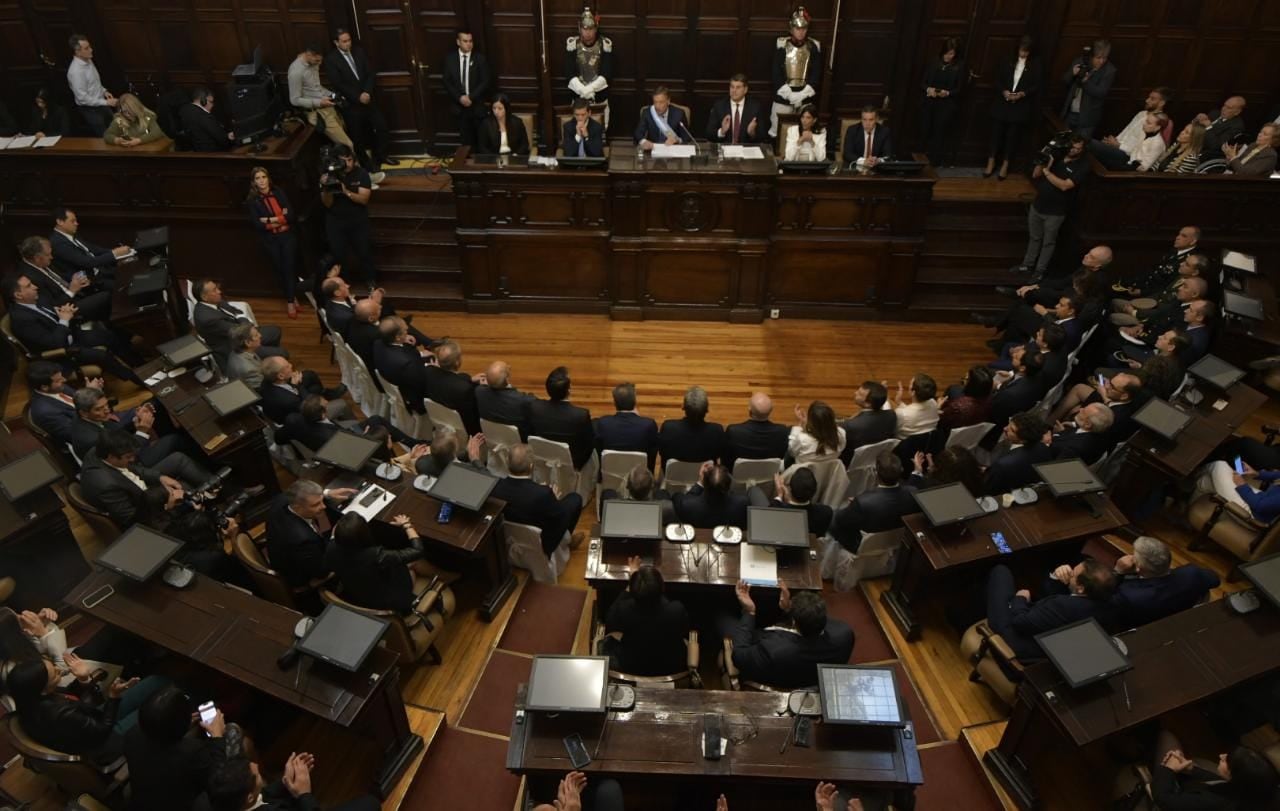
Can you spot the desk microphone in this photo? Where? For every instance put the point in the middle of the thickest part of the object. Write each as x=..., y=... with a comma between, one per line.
x=692, y=140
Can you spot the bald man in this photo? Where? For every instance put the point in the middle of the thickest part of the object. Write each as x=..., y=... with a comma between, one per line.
x=1048, y=291
x=499, y=401
x=1220, y=126
x=757, y=438
x=625, y=429
x=362, y=331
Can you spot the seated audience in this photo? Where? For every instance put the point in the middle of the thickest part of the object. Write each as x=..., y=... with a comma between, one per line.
x=445, y=449
x=214, y=317
x=298, y=530
x=711, y=502
x=1243, y=779
x=1086, y=438
x=920, y=416
x=373, y=575
x=171, y=751
x=625, y=429
x=559, y=420
x=1047, y=292
x=1117, y=151
x=1014, y=468
x=757, y=438
x=312, y=425
x=1139, y=152
x=1257, y=159
x=1221, y=126
x=817, y=438
x=237, y=785
x=1234, y=488
x=537, y=504
x=205, y=544
x=363, y=334
x=1149, y=589
x=451, y=388
x=399, y=358
x=76, y=288
x=969, y=405
x=1165, y=271
x=1017, y=392
x=133, y=124
x=573, y=794
x=797, y=494
x=1171, y=344
x=1184, y=155
x=53, y=405
x=94, y=416
x=954, y=464
x=640, y=486
x=876, y=510
x=1087, y=591
x=646, y=630
x=691, y=438
x=71, y=252
x=787, y=656
x=873, y=423
x=499, y=401
x=244, y=362
x=340, y=304
x=1122, y=393
x=204, y=132
x=283, y=390
x=115, y=482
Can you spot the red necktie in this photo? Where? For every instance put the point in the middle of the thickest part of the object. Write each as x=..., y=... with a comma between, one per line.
x=735, y=123
x=868, y=136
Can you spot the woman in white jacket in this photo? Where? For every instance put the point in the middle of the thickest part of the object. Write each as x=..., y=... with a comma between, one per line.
x=808, y=141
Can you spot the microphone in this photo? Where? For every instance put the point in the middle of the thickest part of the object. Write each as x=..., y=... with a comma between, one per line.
x=692, y=140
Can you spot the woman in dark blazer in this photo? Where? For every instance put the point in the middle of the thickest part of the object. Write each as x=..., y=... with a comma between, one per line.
x=273, y=218
x=489, y=140
x=47, y=118
x=375, y=576
x=1018, y=84
x=941, y=87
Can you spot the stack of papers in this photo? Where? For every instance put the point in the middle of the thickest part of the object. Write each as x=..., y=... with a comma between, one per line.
x=25, y=141
x=1239, y=261
x=674, y=150
x=758, y=565
x=747, y=152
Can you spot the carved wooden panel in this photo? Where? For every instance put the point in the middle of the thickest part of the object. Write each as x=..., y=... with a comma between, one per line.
x=701, y=278
x=809, y=273
x=551, y=268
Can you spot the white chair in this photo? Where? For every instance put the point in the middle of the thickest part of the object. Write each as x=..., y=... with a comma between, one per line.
x=499, y=438
x=969, y=436
x=748, y=473
x=877, y=556
x=831, y=478
x=862, y=467
x=553, y=463
x=679, y=476
x=416, y=425
x=343, y=360
x=615, y=467
x=524, y=550
x=371, y=400
x=444, y=417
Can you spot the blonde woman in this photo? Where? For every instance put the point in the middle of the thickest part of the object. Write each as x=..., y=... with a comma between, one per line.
x=1183, y=155
x=133, y=124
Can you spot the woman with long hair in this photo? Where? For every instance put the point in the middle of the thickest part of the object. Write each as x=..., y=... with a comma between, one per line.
x=817, y=438
x=808, y=140
x=502, y=133
x=270, y=213
x=47, y=118
x=1183, y=155
x=941, y=87
x=133, y=124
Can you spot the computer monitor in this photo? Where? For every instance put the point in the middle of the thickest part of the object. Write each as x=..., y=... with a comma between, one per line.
x=568, y=684
x=231, y=397
x=348, y=451
x=30, y=473
x=1161, y=418
x=139, y=553
x=1216, y=372
x=947, y=504
x=1083, y=652
x=463, y=486
x=1264, y=574
x=778, y=526
x=631, y=520
x=1244, y=306
x=1069, y=477
x=858, y=694
x=151, y=238
x=181, y=351
x=343, y=637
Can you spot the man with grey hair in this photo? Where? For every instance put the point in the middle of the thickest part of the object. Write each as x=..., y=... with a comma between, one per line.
x=37, y=265
x=1166, y=270
x=452, y=388
x=244, y=363
x=298, y=528
x=757, y=438
x=499, y=401
x=691, y=438
x=1149, y=590
x=537, y=504
x=283, y=389
x=1086, y=440
x=94, y=415
x=1088, y=81
x=626, y=429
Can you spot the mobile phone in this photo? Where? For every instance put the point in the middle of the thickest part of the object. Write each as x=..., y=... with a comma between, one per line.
x=1102, y=382
x=445, y=514
x=998, y=539
x=577, y=750
x=1239, y=466
x=208, y=712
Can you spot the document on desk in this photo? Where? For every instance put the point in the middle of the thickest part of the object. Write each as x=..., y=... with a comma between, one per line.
x=753, y=153
x=674, y=150
x=1239, y=261
x=758, y=565
x=369, y=502
x=21, y=142
x=4, y=142
x=48, y=140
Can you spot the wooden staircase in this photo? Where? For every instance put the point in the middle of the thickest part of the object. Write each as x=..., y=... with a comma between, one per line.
x=416, y=246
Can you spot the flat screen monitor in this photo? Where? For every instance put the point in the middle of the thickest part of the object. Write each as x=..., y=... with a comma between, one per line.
x=148, y=282
x=575, y=162
x=631, y=520
x=181, y=351
x=1161, y=418
x=1241, y=305
x=139, y=553
x=342, y=637
x=463, y=486
x=231, y=397
x=1069, y=477
x=1264, y=574
x=778, y=526
x=947, y=504
x=568, y=684
x=348, y=451
x=1216, y=372
x=151, y=238
x=24, y=476
x=1083, y=652
x=853, y=694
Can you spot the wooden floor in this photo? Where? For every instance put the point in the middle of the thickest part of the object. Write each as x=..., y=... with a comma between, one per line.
x=794, y=361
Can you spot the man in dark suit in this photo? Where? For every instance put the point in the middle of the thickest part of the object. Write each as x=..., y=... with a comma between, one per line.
x=204, y=132
x=214, y=318
x=1019, y=393
x=1088, y=81
x=1048, y=291
x=873, y=423
x=237, y=784
x=559, y=420
x=55, y=290
x=452, y=388
x=312, y=426
x=1124, y=395
x=94, y=416
x=53, y=407
x=691, y=438
x=71, y=253
x=582, y=136
x=283, y=389
x=465, y=74
x=798, y=494
x=640, y=486
x=788, y=658
x=653, y=628
x=399, y=358
x=1150, y=590
x=347, y=69
x=362, y=333
x=1220, y=127
x=537, y=504
x=1087, y=438
x=879, y=509
x=870, y=142
x=711, y=502
x=1013, y=468
x=499, y=401
x=737, y=119
x=626, y=430
x=115, y=482
x=298, y=527
x=660, y=123
x=1086, y=593
x=757, y=438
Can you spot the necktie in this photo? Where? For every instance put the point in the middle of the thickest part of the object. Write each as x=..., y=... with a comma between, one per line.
x=582, y=147
x=736, y=121
x=466, y=77
x=82, y=246
x=65, y=398
x=56, y=280
x=352, y=62
x=867, y=136
x=49, y=313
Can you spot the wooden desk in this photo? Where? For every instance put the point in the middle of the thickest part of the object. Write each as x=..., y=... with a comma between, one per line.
x=152, y=316
x=239, y=635
x=1242, y=340
x=1177, y=661
x=661, y=739
x=931, y=551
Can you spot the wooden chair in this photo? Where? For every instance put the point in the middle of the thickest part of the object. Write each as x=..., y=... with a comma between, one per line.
x=530, y=121
x=412, y=637
x=1233, y=528
x=6, y=326
x=994, y=662
x=731, y=679
x=267, y=581
x=61, y=453
x=72, y=774
x=102, y=524
x=786, y=122
x=686, y=677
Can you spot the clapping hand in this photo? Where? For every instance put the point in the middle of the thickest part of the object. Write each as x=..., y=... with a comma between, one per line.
x=119, y=686
x=32, y=624
x=743, y=592
x=78, y=667
x=917, y=461
x=751, y=128
x=475, y=447
x=297, y=773
x=633, y=564
x=569, y=794
x=722, y=803
x=800, y=413
x=780, y=489
x=784, y=598
x=1174, y=760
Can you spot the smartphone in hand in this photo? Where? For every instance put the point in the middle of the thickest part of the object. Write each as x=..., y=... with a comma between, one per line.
x=1239, y=466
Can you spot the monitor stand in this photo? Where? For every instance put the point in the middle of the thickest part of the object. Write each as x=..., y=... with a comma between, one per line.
x=1086, y=501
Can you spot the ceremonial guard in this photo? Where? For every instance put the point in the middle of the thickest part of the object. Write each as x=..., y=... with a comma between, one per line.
x=797, y=70
x=589, y=60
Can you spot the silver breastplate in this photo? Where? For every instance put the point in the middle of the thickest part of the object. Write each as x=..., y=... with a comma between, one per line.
x=797, y=64
x=589, y=61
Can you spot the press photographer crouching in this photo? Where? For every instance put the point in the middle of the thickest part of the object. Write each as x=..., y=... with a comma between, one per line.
x=345, y=189
x=205, y=521
x=1061, y=167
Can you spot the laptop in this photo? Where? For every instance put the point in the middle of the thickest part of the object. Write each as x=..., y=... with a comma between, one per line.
x=1242, y=305
x=24, y=476
x=857, y=694
x=568, y=684
x=947, y=504
x=1083, y=653
x=181, y=351
x=231, y=397
x=348, y=451
x=343, y=637
x=151, y=238
x=463, y=486
x=778, y=526
x=139, y=553
x=631, y=520
x=1068, y=477
x=1216, y=372
x=1161, y=418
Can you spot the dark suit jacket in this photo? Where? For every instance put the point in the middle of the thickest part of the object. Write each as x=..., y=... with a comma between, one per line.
x=85, y=434
x=594, y=142
x=454, y=390
x=204, y=132
x=1083, y=445
x=278, y=402
x=626, y=431
x=755, y=439
x=646, y=129
x=1016, y=111
x=214, y=325
x=361, y=337
x=877, y=510
x=652, y=636
x=1096, y=88
x=374, y=576
x=339, y=316
x=867, y=428
x=535, y=504
x=402, y=366
x=1013, y=469
x=509, y=406
x=36, y=332
x=687, y=441
x=340, y=77
x=752, y=110
x=564, y=422
x=489, y=139
x=295, y=550
x=1198, y=344
x=170, y=775
x=786, y=660
x=451, y=75
x=55, y=417
x=1014, y=397
x=51, y=295
x=1197, y=790
x=68, y=257
x=881, y=146
x=1217, y=134
x=311, y=434
x=695, y=507
x=75, y=727
x=1026, y=619
x=107, y=488
x=1140, y=600
x=1124, y=425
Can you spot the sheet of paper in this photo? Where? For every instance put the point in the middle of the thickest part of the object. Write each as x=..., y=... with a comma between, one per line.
x=4, y=142
x=758, y=565
x=48, y=140
x=674, y=150
x=752, y=153
x=374, y=507
x=733, y=150
x=21, y=142
x=1241, y=261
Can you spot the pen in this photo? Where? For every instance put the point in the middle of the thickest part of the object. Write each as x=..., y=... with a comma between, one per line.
x=1128, y=705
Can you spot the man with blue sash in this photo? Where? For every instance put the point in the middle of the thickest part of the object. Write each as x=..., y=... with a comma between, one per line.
x=660, y=123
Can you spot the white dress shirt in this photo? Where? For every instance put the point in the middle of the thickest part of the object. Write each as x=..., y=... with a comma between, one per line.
x=131, y=476
x=85, y=83
x=916, y=418
x=1132, y=135
x=795, y=151
x=1018, y=70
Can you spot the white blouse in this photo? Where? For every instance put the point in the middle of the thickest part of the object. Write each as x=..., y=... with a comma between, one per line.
x=803, y=446
x=795, y=151
x=503, y=148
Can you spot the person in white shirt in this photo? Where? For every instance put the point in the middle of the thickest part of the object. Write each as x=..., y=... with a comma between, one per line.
x=921, y=414
x=92, y=100
x=808, y=140
x=307, y=94
x=817, y=438
x=1137, y=142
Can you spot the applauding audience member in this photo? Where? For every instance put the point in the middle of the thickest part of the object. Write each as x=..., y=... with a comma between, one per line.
x=787, y=656
x=499, y=401
x=1014, y=468
x=529, y=502
x=237, y=785
x=1257, y=159
x=646, y=630
x=711, y=502
x=873, y=423
x=797, y=494
x=920, y=414
x=817, y=438
x=446, y=385
x=375, y=576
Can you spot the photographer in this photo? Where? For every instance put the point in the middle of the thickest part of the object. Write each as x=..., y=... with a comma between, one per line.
x=1057, y=177
x=345, y=189
x=207, y=530
x=1088, y=81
